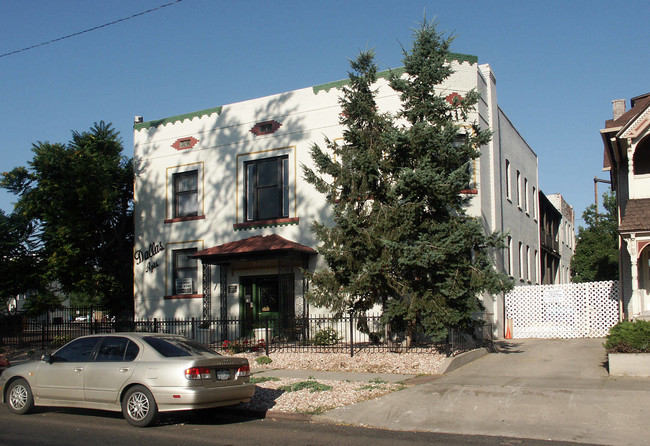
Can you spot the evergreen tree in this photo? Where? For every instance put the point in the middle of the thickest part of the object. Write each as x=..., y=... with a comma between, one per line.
x=401, y=238
x=596, y=254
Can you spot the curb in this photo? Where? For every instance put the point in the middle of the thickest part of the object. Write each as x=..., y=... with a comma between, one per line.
x=454, y=362
x=262, y=414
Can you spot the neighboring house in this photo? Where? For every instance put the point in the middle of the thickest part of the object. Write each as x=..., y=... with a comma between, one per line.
x=557, y=239
x=627, y=157
x=223, y=214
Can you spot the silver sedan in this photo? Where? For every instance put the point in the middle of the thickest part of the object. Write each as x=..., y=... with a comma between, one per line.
x=139, y=374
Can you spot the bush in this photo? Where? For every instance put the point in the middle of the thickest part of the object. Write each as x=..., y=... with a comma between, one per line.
x=326, y=336
x=233, y=347
x=263, y=360
x=629, y=337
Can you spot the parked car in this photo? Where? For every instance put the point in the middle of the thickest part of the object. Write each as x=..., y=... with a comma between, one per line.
x=139, y=374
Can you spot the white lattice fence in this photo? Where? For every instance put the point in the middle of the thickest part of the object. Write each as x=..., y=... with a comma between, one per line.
x=577, y=310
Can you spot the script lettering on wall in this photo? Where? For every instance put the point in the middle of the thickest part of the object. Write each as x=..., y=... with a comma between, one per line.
x=144, y=256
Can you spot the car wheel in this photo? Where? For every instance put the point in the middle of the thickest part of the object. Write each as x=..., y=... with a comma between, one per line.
x=139, y=407
x=19, y=397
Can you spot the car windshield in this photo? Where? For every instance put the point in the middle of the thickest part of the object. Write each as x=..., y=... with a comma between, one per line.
x=172, y=347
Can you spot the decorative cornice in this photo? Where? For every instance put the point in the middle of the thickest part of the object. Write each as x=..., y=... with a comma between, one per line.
x=179, y=118
x=397, y=71
x=265, y=128
x=185, y=143
x=638, y=125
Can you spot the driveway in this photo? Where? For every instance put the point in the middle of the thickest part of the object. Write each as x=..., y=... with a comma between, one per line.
x=543, y=389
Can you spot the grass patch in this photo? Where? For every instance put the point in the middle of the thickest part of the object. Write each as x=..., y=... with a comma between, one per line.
x=263, y=379
x=263, y=360
x=313, y=386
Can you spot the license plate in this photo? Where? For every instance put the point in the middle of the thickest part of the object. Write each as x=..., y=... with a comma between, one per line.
x=223, y=375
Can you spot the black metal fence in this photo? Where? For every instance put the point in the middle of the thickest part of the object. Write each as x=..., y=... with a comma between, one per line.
x=347, y=334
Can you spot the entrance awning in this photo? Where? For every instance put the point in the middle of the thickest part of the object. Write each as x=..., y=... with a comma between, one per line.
x=254, y=248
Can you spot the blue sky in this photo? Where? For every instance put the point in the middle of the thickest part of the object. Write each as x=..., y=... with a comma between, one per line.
x=558, y=65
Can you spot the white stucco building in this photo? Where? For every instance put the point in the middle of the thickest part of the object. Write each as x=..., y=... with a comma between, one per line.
x=225, y=185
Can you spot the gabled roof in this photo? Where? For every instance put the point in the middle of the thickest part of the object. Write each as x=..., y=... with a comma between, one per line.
x=254, y=248
x=637, y=216
x=639, y=104
x=615, y=128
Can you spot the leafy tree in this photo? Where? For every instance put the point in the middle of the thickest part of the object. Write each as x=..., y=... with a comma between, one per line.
x=401, y=238
x=20, y=264
x=596, y=254
x=78, y=197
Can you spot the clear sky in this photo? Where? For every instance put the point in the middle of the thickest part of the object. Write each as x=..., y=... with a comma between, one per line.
x=558, y=65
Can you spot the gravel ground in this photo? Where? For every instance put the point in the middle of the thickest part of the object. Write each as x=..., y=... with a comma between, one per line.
x=318, y=396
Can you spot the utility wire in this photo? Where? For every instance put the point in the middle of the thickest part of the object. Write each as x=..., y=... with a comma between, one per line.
x=90, y=29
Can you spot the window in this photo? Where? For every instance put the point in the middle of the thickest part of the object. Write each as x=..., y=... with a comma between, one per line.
x=528, y=276
x=176, y=347
x=186, y=191
x=534, y=203
x=509, y=256
x=185, y=270
x=535, y=266
x=508, y=193
x=267, y=188
x=521, y=260
x=80, y=350
x=519, y=189
x=116, y=349
x=526, y=195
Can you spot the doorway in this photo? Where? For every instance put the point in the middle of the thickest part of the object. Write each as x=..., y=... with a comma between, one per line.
x=261, y=302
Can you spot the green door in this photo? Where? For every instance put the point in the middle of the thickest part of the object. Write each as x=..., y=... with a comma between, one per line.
x=261, y=302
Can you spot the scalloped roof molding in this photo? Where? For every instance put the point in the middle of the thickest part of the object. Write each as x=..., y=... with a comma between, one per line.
x=323, y=87
x=179, y=118
x=398, y=71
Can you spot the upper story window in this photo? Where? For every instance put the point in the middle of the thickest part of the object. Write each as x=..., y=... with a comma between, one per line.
x=518, y=189
x=186, y=192
x=534, y=203
x=526, y=202
x=267, y=188
x=508, y=192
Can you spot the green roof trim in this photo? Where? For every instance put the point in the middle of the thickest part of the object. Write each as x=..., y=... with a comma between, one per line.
x=386, y=74
x=148, y=124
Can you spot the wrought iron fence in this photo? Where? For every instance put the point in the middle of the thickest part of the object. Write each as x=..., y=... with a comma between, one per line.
x=347, y=334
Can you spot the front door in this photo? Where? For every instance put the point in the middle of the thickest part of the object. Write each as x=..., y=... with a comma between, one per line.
x=261, y=302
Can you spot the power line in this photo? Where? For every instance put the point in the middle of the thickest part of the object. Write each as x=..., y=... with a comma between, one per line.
x=90, y=29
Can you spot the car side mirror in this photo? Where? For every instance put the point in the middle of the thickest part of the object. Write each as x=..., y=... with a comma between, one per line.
x=47, y=358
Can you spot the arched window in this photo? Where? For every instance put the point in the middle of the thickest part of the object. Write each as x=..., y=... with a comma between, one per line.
x=642, y=157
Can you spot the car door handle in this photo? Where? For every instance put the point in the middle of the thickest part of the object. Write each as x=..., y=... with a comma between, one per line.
x=78, y=369
x=124, y=369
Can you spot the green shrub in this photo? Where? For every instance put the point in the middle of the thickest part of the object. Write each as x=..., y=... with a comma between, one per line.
x=263, y=360
x=326, y=336
x=629, y=337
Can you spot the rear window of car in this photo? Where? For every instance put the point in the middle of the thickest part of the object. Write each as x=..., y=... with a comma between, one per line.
x=173, y=347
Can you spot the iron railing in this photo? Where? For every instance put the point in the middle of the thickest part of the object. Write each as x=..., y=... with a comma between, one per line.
x=348, y=334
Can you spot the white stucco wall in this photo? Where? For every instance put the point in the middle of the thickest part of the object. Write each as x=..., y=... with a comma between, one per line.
x=307, y=116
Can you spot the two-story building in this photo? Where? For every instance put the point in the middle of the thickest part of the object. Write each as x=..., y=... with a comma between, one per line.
x=627, y=157
x=222, y=213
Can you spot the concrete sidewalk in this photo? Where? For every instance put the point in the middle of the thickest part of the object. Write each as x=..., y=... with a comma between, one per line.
x=540, y=389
